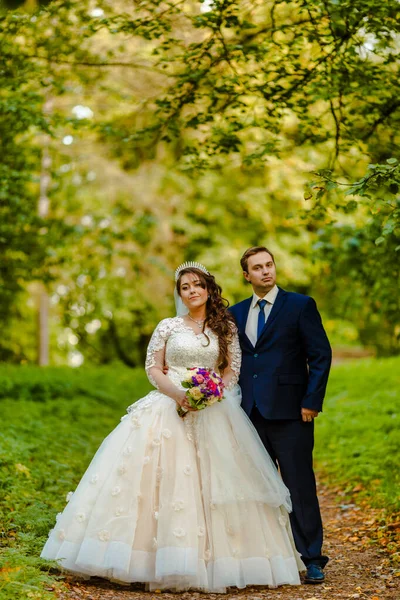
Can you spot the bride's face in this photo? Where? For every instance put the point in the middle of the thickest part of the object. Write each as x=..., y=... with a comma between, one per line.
x=192, y=292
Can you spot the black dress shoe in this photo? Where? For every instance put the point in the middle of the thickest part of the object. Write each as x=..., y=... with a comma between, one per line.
x=314, y=574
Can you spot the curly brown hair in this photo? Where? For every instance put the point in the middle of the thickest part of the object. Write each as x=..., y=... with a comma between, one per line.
x=218, y=318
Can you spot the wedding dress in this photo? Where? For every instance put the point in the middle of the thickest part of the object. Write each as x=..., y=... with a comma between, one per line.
x=180, y=503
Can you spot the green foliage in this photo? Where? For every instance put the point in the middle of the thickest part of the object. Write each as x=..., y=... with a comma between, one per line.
x=235, y=75
x=363, y=253
x=205, y=123
x=55, y=420
x=358, y=434
x=29, y=245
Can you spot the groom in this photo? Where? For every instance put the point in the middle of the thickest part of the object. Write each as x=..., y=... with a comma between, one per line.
x=286, y=359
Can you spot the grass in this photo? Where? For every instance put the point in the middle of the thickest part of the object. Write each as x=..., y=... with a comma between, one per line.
x=52, y=422
x=358, y=434
x=54, y=419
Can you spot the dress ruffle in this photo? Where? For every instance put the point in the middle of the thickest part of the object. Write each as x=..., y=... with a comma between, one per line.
x=179, y=503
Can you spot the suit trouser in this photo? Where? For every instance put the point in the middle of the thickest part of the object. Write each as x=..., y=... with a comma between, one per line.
x=290, y=444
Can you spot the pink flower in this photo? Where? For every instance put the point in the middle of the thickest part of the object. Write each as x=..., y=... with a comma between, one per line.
x=199, y=378
x=212, y=386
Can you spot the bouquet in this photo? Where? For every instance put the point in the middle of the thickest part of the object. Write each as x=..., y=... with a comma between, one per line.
x=204, y=388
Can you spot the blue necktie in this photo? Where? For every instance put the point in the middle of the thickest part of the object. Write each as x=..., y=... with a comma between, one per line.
x=261, y=317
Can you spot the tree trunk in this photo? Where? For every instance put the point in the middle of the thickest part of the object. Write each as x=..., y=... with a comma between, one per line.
x=43, y=211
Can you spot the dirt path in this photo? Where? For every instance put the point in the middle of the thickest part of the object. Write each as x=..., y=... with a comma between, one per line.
x=357, y=568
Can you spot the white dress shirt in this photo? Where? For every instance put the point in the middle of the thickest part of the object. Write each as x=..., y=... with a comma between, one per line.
x=252, y=319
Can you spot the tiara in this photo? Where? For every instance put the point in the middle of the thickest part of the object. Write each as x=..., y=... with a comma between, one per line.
x=190, y=265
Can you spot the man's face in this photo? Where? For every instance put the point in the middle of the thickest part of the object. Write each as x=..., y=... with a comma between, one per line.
x=261, y=273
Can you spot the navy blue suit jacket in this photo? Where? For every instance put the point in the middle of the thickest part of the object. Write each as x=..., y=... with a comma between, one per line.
x=288, y=368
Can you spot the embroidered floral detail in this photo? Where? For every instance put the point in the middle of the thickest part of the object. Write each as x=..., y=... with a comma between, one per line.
x=80, y=517
x=201, y=531
x=135, y=422
x=61, y=534
x=122, y=469
x=118, y=511
x=189, y=436
x=69, y=496
x=128, y=450
x=159, y=473
x=94, y=479
x=178, y=505
x=236, y=359
x=115, y=491
x=188, y=470
x=156, y=442
x=207, y=555
x=166, y=433
x=179, y=532
x=156, y=515
x=155, y=543
x=146, y=460
x=282, y=520
x=104, y=535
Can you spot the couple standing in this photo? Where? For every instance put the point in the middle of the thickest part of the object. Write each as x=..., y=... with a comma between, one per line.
x=198, y=502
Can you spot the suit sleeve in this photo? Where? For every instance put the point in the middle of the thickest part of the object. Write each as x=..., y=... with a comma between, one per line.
x=319, y=355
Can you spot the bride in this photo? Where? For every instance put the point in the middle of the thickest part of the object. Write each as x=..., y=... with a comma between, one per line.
x=180, y=503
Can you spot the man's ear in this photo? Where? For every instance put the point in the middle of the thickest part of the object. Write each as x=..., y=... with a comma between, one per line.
x=246, y=275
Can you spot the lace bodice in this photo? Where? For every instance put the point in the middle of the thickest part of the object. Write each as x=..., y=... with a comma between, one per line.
x=176, y=344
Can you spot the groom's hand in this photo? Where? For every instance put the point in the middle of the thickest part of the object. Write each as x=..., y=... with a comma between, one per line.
x=308, y=415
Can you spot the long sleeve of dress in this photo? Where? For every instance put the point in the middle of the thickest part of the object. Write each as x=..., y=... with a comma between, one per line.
x=155, y=360
x=232, y=372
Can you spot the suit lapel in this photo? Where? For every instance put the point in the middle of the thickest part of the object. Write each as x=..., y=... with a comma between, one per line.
x=241, y=319
x=279, y=302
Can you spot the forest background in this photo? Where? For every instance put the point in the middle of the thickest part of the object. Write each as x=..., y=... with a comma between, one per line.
x=135, y=135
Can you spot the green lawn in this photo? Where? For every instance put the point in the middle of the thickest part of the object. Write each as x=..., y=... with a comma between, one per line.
x=54, y=419
x=358, y=434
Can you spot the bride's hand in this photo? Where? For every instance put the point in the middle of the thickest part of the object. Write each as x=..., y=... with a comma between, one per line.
x=181, y=400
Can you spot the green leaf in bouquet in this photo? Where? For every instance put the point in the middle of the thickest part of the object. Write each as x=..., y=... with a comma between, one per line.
x=192, y=402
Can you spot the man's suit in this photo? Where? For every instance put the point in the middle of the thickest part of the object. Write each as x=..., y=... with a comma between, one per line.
x=285, y=371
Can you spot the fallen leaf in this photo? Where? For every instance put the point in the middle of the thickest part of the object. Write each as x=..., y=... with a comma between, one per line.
x=22, y=469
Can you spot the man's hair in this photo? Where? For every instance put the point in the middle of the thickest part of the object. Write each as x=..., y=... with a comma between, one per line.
x=250, y=252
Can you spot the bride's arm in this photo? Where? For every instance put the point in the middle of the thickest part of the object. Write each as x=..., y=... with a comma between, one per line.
x=232, y=371
x=155, y=363
x=162, y=382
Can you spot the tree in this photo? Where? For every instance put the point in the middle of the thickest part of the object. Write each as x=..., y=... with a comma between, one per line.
x=242, y=98
x=363, y=253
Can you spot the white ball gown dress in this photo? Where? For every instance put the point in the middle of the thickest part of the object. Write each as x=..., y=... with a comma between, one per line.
x=180, y=503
